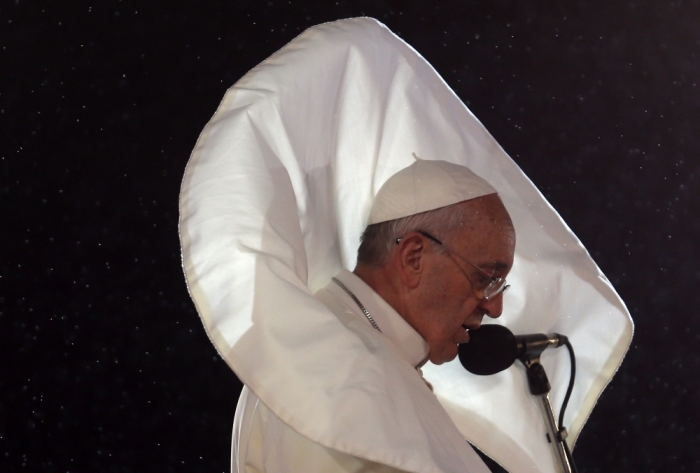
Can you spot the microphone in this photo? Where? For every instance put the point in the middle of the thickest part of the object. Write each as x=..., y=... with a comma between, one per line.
x=493, y=348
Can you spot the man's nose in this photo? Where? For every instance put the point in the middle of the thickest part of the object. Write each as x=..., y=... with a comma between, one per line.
x=492, y=307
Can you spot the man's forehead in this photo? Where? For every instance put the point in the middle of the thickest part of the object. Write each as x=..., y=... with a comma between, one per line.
x=488, y=237
x=486, y=231
x=485, y=213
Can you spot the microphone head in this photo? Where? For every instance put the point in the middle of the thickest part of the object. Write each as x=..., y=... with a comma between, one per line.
x=491, y=349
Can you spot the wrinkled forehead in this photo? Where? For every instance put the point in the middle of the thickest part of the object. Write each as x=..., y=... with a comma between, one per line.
x=486, y=233
x=485, y=214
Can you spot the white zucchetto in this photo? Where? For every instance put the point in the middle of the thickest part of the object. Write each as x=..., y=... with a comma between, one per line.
x=426, y=185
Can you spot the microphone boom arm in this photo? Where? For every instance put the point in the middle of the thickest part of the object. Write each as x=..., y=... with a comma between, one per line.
x=530, y=347
x=494, y=348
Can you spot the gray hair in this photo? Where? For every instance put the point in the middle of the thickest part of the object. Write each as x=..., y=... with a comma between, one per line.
x=377, y=240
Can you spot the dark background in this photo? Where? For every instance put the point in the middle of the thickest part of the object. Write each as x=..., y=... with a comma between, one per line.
x=104, y=364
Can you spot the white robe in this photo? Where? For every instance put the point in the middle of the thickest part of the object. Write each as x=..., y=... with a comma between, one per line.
x=273, y=202
x=263, y=443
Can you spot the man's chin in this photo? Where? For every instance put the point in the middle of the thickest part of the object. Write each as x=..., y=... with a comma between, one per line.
x=444, y=356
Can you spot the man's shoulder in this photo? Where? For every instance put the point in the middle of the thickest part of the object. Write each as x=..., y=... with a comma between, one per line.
x=346, y=313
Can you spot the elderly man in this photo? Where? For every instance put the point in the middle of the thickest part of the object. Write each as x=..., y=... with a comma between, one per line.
x=273, y=199
x=431, y=264
x=441, y=270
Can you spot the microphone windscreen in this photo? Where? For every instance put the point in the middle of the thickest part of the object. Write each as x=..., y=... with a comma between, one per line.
x=491, y=349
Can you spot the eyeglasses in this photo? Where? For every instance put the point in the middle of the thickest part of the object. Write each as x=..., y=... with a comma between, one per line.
x=492, y=288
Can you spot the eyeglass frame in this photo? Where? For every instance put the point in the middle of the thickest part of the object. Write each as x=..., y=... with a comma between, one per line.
x=496, y=282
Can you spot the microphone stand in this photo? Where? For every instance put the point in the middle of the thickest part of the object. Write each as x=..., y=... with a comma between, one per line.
x=540, y=387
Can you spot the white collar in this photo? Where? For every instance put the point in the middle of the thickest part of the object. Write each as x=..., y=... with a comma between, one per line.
x=405, y=339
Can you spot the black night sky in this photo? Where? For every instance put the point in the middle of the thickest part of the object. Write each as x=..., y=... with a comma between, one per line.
x=104, y=364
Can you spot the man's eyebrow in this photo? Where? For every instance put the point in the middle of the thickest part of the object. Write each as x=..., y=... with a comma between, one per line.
x=496, y=265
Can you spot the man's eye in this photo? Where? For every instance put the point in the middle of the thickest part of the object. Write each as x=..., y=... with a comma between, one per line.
x=482, y=281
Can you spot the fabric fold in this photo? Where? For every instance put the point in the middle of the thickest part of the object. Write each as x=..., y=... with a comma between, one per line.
x=274, y=198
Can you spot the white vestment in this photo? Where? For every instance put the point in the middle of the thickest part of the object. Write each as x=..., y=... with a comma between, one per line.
x=262, y=443
x=273, y=202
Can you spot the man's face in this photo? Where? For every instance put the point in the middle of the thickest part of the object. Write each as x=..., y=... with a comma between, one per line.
x=451, y=296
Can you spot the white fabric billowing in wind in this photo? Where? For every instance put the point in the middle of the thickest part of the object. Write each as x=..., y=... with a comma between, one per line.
x=274, y=199
x=263, y=443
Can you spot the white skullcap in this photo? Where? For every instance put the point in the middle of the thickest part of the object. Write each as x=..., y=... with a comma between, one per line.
x=426, y=185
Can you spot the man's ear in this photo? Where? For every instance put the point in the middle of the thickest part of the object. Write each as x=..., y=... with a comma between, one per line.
x=409, y=258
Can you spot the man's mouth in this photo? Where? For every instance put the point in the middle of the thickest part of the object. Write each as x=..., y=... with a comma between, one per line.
x=464, y=338
x=467, y=329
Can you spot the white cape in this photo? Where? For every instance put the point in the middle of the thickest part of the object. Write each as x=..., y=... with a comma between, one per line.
x=273, y=201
